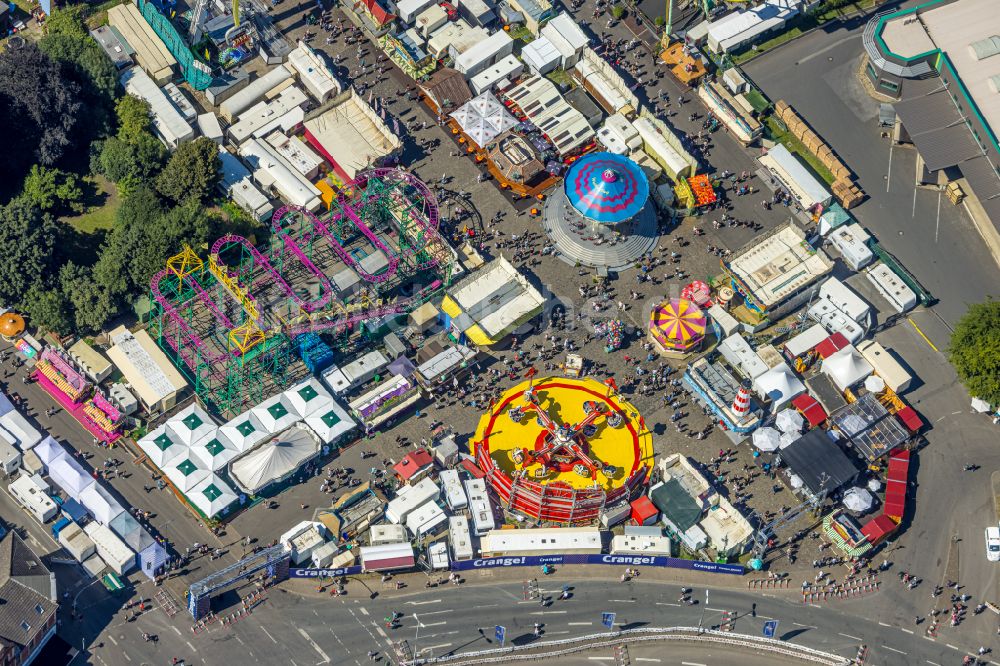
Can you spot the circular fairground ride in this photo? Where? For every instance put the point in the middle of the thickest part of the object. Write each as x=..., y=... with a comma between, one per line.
x=559, y=450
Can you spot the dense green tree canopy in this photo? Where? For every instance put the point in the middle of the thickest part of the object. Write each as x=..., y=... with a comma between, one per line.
x=27, y=244
x=975, y=351
x=53, y=190
x=192, y=171
x=47, y=309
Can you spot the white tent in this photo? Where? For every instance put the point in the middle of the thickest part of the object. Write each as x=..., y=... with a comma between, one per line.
x=212, y=495
x=49, y=450
x=25, y=435
x=766, y=439
x=980, y=405
x=275, y=460
x=787, y=438
x=846, y=367
x=275, y=414
x=789, y=421
x=874, y=485
x=161, y=447
x=795, y=481
x=244, y=432
x=309, y=397
x=331, y=424
x=68, y=475
x=874, y=384
x=191, y=425
x=858, y=499
x=186, y=472
x=101, y=505
x=778, y=385
x=214, y=453
x=483, y=118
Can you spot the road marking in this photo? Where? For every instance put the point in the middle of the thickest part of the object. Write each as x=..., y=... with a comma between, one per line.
x=112, y=639
x=434, y=612
x=126, y=655
x=914, y=213
x=797, y=624
x=487, y=606
x=893, y=649
x=555, y=633
x=190, y=646
x=647, y=659
x=432, y=624
x=364, y=611
x=326, y=659
x=853, y=638
x=717, y=610
x=921, y=333
x=909, y=631
x=937, y=222
x=888, y=173
x=933, y=663
x=580, y=624
x=176, y=629
x=546, y=613
x=239, y=639
x=664, y=603
x=423, y=603
x=264, y=629
x=604, y=659
x=691, y=663
x=883, y=624
x=622, y=601
x=952, y=646
x=435, y=647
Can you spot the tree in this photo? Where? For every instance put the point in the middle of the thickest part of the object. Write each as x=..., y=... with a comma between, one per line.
x=28, y=240
x=131, y=162
x=47, y=309
x=136, y=248
x=975, y=350
x=53, y=190
x=617, y=11
x=191, y=172
x=68, y=21
x=187, y=223
x=134, y=117
x=41, y=98
x=91, y=302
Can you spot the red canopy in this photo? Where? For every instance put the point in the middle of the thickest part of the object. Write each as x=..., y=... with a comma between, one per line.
x=412, y=463
x=910, y=419
x=644, y=511
x=832, y=345
x=878, y=528
x=472, y=469
x=810, y=408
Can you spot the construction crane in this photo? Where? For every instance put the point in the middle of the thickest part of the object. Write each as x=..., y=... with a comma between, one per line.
x=706, y=6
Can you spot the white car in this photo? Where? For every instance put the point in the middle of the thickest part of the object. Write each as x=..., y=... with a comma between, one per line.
x=993, y=544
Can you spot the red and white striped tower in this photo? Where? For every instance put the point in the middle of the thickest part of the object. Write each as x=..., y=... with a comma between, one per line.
x=741, y=405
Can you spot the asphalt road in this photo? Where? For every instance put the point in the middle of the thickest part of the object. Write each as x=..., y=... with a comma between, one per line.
x=818, y=75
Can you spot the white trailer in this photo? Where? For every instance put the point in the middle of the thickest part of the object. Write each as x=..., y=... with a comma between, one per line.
x=31, y=492
x=894, y=290
x=119, y=557
x=479, y=507
x=460, y=538
x=454, y=494
x=409, y=498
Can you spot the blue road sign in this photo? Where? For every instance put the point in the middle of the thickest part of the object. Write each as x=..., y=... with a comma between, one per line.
x=608, y=620
x=500, y=633
x=769, y=628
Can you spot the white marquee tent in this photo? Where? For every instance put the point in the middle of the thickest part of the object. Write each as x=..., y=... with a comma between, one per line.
x=186, y=472
x=49, y=450
x=846, y=367
x=68, y=475
x=101, y=505
x=214, y=453
x=779, y=385
x=483, y=118
x=212, y=495
x=766, y=439
x=275, y=413
x=191, y=425
x=275, y=460
x=244, y=431
x=309, y=397
x=161, y=447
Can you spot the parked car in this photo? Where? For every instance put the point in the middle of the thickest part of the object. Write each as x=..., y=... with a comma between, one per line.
x=993, y=544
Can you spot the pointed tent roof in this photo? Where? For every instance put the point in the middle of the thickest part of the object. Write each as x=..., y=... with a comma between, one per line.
x=275, y=414
x=68, y=475
x=483, y=118
x=160, y=446
x=49, y=450
x=191, y=425
x=846, y=367
x=274, y=460
x=606, y=188
x=100, y=503
x=309, y=397
x=332, y=423
x=212, y=495
x=779, y=385
x=215, y=452
x=186, y=472
x=244, y=431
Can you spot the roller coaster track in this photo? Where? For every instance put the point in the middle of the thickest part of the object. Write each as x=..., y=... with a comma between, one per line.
x=176, y=318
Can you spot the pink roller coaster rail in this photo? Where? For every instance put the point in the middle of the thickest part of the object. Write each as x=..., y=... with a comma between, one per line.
x=176, y=318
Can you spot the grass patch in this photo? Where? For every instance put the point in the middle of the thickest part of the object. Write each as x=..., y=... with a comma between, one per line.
x=796, y=147
x=102, y=206
x=561, y=78
x=757, y=101
x=519, y=32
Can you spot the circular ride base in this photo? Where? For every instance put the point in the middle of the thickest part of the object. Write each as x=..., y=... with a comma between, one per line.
x=577, y=237
x=627, y=448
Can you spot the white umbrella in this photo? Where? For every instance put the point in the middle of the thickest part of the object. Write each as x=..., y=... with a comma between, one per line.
x=766, y=439
x=980, y=405
x=858, y=499
x=795, y=481
x=787, y=438
x=874, y=485
x=789, y=420
x=874, y=384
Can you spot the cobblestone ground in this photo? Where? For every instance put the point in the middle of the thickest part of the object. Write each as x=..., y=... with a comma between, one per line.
x=577, y=298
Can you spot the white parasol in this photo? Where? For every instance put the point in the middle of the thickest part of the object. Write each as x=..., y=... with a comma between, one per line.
x=794, y=481
x=858, y=499
x=787, y=438
x=980, y=405
x=874, y=485
x=766, y=439
x=789, y=420
x=874, y=384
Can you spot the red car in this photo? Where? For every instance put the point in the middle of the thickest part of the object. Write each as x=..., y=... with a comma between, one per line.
x=450, y=10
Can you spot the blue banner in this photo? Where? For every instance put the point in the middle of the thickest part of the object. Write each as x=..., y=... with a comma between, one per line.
x=540, y=560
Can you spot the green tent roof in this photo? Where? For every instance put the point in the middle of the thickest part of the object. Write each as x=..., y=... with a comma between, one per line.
x=677, y=506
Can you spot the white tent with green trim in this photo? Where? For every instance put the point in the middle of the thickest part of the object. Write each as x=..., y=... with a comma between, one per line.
x=212, y=495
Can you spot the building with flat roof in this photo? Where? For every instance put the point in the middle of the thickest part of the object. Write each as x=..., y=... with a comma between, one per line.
x=541, y=102
x=150, y=52
x=279, y=114
x=542, y=541
x=940, y=60
x=168, y=123
x=773, y=272
x=274, y=173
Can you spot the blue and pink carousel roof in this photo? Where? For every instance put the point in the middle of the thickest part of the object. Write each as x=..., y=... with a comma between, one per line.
x=606, y=188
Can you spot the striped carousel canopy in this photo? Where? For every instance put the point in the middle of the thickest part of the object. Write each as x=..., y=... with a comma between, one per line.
x=677, y=324
x=607, y=188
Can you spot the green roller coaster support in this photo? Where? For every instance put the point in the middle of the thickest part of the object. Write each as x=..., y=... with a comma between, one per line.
x=197, y=73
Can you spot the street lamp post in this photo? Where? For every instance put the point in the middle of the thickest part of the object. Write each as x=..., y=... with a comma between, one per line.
x=701, y=621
